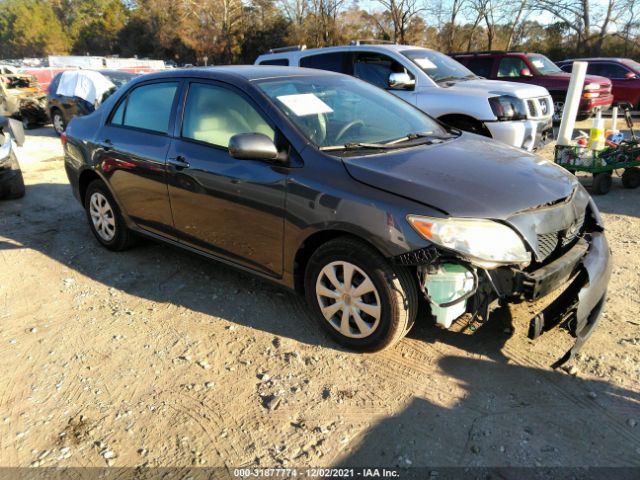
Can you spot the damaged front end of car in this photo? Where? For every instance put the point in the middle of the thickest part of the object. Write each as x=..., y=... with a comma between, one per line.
x=22, y=98
x=555, y=255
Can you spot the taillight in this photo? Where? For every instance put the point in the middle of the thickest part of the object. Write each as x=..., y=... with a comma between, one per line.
x=63, y=138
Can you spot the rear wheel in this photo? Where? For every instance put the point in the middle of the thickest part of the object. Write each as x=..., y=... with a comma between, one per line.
x=631, y=177
x=57, y=119
x=105, y=219
x=601, y=183
x=361, y=300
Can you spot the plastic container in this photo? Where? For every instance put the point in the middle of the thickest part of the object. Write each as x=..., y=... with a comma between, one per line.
x=596, y=134
x=449, y=282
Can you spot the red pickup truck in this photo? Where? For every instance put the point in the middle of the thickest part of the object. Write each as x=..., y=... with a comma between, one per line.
x=536, y=69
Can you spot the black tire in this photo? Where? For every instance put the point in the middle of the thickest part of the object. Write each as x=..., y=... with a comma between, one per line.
x=395, y=287
x=16, y=188
x=58, y=119
x=601, y=183
x=122, y=238
x=631, y=177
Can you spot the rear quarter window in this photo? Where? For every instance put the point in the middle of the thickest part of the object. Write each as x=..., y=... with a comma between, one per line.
x=284, y=62
x=333, y=62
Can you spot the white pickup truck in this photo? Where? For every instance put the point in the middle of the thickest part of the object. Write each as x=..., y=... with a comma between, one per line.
x=513, y=113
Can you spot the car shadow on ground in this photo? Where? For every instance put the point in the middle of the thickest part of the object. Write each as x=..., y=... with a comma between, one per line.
x=507, y=415
x=49, y=220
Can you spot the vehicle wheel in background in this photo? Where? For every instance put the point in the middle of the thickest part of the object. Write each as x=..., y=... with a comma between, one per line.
x=362, y=301
x=59, y=125
x=601, y=183
x=631, y=177
x=558, y=108
x=105, y=219
x=467, y=124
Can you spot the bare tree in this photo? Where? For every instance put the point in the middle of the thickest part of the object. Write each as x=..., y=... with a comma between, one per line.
x=401, y=13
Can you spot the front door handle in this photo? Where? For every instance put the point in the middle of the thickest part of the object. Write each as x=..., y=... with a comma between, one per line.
x=178, y=162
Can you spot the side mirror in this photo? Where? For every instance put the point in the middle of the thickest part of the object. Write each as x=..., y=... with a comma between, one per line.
x=525, y=72
x=630, y=76
x=252, y=146
x=401, y=81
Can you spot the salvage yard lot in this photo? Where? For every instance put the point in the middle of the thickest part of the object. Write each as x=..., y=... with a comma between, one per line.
x=156, y=357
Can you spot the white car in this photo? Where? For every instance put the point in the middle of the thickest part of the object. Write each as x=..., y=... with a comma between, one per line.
x=514, y=113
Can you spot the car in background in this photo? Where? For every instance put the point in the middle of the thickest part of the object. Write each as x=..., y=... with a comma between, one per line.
x=536, y=69
x=74, y=93
x=624, y=74
x=11, y=180
x=22, y=98
x=329, y=185
x=518, y=115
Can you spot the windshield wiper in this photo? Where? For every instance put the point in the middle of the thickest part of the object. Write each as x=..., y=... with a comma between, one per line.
x=396, y=143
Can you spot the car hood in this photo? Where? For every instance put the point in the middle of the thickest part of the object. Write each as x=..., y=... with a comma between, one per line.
x=470, y=176
x=499, y=87
x=565, y=77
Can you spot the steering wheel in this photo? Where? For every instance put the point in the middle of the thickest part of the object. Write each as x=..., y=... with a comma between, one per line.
x=348, y=127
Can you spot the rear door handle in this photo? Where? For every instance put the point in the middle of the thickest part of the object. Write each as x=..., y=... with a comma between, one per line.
x=178, y=162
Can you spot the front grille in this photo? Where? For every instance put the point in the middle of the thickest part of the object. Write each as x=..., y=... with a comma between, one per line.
x=539, y=107
x=549, y=242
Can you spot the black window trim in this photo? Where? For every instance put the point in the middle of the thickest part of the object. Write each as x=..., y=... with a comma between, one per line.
x=624, y=67
x=125, y=97
x=179, y=114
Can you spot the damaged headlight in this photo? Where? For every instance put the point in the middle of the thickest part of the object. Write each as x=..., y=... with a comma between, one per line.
x=486, y=243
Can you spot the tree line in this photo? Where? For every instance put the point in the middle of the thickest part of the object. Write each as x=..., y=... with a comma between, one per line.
x=237, y=31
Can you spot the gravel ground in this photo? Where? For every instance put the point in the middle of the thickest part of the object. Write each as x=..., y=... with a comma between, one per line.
x=155, y=357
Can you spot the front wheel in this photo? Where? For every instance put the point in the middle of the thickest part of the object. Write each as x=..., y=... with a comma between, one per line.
x=362, y=301
x=105, y=219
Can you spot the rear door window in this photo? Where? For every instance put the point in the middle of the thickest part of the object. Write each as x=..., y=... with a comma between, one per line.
x=376, y=68
x=147, y=107
x=481, y=66
x=334, y=62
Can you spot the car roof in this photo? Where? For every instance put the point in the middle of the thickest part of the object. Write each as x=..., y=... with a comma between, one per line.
x=238, y=72
x=599, y=59
x=368, y=47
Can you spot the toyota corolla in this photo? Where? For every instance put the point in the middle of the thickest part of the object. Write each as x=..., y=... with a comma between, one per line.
x=330, y=186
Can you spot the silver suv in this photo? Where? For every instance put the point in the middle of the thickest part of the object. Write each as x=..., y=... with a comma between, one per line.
x=513, y=113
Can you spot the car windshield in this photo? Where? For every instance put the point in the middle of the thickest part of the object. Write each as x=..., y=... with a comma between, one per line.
x=334, y=111
x=632, y=63
x=543, y=65
x=439, y=67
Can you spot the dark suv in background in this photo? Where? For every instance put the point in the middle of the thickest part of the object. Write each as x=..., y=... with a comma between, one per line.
x=536, y=69
x=624, y=74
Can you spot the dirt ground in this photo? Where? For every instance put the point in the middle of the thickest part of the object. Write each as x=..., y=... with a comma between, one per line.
x=155, y=357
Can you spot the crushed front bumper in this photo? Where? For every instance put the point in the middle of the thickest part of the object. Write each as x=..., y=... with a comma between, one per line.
x=572, y=287
x=587, y=268
x=527, y=134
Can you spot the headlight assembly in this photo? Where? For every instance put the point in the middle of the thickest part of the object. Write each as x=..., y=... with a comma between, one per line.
x=486, y=243
x=507, y=107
